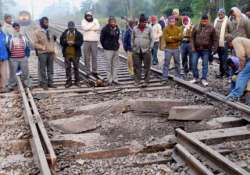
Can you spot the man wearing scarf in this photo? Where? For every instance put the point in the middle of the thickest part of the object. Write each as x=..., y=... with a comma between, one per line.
x=223, y=29
x=19, y=53
x=71, y=41
x=44, y=43
x=91, y=29
x=186, y=48
x=142, y=43
x=240, y=24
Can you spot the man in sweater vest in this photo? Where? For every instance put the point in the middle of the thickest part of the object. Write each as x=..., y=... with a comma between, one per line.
x=19, y=51
x=172, y=36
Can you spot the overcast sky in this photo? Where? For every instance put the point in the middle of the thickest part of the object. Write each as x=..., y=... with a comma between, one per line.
x=39, y=5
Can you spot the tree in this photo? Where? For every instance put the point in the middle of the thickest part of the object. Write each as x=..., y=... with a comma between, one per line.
x=4, y=6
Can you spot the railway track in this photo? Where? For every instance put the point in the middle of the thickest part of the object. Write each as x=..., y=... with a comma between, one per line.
x=114, y=139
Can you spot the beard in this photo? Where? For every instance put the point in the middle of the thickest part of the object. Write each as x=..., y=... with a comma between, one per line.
x=44, y=26
x=89, y=19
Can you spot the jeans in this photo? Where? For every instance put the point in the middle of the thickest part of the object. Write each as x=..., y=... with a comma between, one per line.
x=138, y=59
x=112, y=57
x=241, y=82
x=195, y=60
x=222, y=52
x=186, y=55
x=90, y=55
x=155, y=53
x=24, y=66
x=169, y=53
x=46, y=68
x=68, y=67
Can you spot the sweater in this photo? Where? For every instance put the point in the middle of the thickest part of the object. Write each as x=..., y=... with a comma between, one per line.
x=91, y=30
x=172, y=36
x=142, y=41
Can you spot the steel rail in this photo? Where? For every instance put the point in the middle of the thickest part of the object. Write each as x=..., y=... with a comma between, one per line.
x=212, y=157
x=36, y=145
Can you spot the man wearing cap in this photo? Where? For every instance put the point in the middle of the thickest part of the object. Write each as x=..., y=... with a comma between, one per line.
x=110, y=35
x=223, y=29
x=204, y=41
x=71, y=41
x=172, y=36
x=178, y=18
x=157, y=33
x=142, y=43
x=91, y=29
x=44, y=43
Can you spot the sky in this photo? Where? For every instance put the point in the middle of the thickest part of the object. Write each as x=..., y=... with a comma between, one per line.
x=39, y=5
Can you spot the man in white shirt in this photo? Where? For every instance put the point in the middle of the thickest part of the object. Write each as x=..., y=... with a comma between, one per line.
x=91, y=36
x=157, y=33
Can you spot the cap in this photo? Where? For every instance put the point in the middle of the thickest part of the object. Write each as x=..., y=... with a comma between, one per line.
x=222, y=10
x=71, y=24
x=89, y=13
x=204, y=17
x=143, y=18
x=153, y=18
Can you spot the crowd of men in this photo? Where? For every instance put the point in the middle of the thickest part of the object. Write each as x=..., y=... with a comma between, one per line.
x=229, y=37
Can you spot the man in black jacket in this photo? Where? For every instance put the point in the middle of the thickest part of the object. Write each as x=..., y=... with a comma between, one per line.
x=110, y=42
x=71, y=41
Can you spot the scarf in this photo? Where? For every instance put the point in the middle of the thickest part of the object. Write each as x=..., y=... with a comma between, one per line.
x=222, y=30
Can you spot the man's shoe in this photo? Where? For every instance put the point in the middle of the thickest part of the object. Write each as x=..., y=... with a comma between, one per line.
x=204, y=82
x=164, y=82
x=68, y=85
x=194, y=81
x=78, y=84
x=137, y=84
x=232, y=99
x=51, y=86
x=45, y=87
x=145, y=84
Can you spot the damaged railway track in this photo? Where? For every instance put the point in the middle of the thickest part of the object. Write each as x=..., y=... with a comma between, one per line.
x=129, y=130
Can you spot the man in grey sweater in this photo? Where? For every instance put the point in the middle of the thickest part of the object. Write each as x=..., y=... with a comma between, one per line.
x=142, y=43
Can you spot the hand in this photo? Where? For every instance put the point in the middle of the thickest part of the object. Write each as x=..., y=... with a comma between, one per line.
x=193, y=50
x=70, y=43
x=43, y=48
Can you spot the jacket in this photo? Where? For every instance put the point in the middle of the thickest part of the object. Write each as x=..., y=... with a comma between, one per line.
x=142, y=40
x=127, y=40
x=3, y=47
x=91, y=30
x=204, y=38
x=42, y=44
x=78, y=42
x=223, y=29
x=26, y=45
x=241, y=46
x=110, y=38
x=172, y=37
x=157, y=32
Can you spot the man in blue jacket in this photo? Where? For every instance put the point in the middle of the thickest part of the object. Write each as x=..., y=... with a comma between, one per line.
x=3, y=60
x=128, y=47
